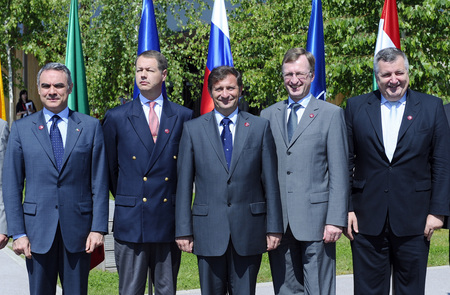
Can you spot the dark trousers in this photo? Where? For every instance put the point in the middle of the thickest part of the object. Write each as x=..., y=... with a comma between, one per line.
x=375, y=256
x=73, y=270
x=230, y=273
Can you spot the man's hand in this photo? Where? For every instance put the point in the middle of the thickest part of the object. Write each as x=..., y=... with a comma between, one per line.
x=94, y=240
x=3, y=241
x=434, y=222
x=22, y=246
x=331, y=233
x=273, y=241
x=185, y=244
x=352, y=225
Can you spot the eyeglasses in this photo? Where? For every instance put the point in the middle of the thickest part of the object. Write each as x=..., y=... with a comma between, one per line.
x=299, y=75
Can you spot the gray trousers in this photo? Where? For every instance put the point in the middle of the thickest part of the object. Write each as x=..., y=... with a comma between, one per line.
x=135, y=260
x=300, y=267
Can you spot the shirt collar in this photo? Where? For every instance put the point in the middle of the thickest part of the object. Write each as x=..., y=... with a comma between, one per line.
x=303, y=102
x=144, y=100
x=401, y=100
x=232, y=116
x=64, y=114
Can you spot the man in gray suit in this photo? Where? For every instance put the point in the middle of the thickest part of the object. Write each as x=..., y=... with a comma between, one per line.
x=4, y=133
x=236, y=214
x=310, y=137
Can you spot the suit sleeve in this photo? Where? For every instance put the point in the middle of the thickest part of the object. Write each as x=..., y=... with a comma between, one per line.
x=185, y=171
x=99, y=182
x=110, y=134
x=351, y=154
x=270, y=182
x=337, y=157
x=3, y=142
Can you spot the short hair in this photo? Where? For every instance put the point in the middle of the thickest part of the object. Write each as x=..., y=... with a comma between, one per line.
x=220, y=73
x=294, y=53
x=389, y=54
x=55, y=66
x=160, y=58
x=23, y=91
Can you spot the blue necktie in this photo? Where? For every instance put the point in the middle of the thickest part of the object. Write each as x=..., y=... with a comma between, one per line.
x=227, y=140
x=293, y=120
x=57, y=143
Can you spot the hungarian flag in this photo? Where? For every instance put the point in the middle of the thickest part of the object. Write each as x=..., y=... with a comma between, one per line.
x=2, y=96
x=316, y=45
x=388, y=30
x=148, y=36
x=78, y=99
x=219, y=51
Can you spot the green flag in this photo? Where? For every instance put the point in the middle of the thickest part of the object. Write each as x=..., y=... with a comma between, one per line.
x=78, y=100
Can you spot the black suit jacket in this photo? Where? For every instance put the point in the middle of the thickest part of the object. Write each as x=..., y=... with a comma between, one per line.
x=417, y=181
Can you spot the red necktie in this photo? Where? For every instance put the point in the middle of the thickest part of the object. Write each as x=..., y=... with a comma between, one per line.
x=153, y=121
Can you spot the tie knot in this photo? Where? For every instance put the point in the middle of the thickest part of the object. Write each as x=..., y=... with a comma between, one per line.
x=152, y=104
x=295, y=106
x=393, y=104
x=226, y=121
x=55, y=119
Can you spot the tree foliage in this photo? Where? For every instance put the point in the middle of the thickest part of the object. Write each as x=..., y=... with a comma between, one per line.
x=260, y=32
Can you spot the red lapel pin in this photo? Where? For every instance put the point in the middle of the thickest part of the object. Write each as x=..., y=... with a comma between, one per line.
x=246, y=124
x=167, y=131
x=41, y=127
x=311, y=115
x=410, y=118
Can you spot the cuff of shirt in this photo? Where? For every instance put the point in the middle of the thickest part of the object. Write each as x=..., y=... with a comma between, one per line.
x=15, y=237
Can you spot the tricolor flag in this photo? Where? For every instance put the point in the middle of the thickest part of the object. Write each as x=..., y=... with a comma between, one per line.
x=148, y=35
x=2, y=96
x=219, y=50
x=78, y=99
x=316, y=46
x=388, y=30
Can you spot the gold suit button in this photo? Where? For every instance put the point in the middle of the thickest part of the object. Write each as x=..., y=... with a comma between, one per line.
x=166, y=179
x=174, y=157
x=145, y=178
x=165, y=200
x=134, y=157
x=144, y=200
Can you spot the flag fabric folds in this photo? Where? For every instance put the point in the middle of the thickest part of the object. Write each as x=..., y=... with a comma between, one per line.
x=148, y=35
x=388, y=30
x=2, y=96
x=219, y=50
x=316, y=45
x=78, y=99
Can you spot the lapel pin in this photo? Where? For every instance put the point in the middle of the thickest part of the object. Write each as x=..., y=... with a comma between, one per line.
x=246, y=124
x=311, y=115
x=409, y=118
x=167, y=131
x=78, y=130
x=41, y=127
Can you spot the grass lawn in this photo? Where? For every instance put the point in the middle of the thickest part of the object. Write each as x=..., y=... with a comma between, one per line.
x=106, y=283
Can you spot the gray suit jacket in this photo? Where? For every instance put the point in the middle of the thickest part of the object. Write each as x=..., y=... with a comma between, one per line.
x=4, y=133
x=312, y=168
x=241, y=204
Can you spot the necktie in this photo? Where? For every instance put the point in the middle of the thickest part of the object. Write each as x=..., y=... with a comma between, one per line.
x=390, y=142
x=153, y=121
x=293, y=120
x=57, y=143
x=227, y=140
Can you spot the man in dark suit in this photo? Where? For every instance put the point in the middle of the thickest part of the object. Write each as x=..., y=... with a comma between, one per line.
x=312, y=171
x=399, y=163
x=142, y=139
x=4, y=133
x=236, y=214
x=64, y=215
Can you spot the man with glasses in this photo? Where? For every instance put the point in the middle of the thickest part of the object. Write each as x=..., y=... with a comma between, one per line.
x=312, y=150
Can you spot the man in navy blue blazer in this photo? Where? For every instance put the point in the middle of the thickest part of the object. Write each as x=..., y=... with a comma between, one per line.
x=64, y=214
x=142, y=139
x=400, y=168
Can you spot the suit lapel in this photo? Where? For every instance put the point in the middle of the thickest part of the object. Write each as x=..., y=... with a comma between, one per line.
x=140, y=125
x=242, y=129
x=40, y=130
x=280, y=116
x=412, y=108
x=212, y=132
x=309, y=115
x=166, y=125
x=374, y=114
x=74, y=129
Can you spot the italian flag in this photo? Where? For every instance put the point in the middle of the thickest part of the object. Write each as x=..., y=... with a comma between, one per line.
x=388, y=30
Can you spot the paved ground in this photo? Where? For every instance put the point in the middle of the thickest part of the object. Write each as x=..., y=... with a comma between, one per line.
x=14, y=281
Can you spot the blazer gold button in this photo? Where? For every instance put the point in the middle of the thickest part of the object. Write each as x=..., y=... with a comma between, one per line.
x=166, y=179
x=165, y=200
x=134, y=157
x=144, y=200
x=145, y=178
x=174, y=157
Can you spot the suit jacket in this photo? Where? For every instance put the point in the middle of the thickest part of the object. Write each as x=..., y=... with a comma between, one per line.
x=447, y=114
x=242, y=203
x=312, y=168
x=76, y=198
x=417, y=181
x=4, y=133
x=143, y=174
